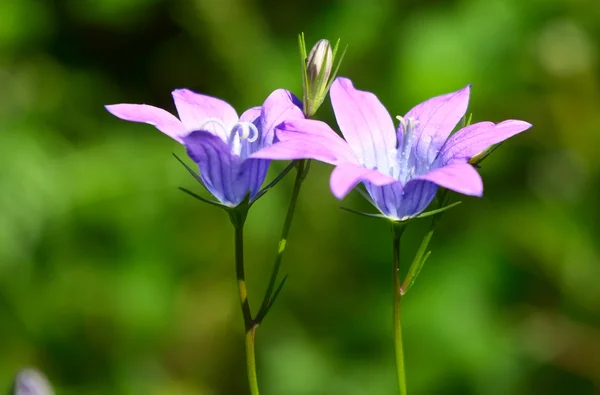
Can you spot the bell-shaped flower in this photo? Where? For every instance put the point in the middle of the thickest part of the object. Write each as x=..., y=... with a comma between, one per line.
x=401, y=169
x=219, y=141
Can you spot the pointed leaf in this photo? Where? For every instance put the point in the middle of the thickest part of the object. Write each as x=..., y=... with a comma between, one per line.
x=420, y=258
x=412, y=274
x=263, y=313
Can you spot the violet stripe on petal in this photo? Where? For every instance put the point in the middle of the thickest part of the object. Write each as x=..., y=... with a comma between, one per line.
x=401, y=171
x=218, y=141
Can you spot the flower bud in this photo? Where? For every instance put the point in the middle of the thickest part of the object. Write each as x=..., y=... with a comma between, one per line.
x=319, y=65
x=318, y=72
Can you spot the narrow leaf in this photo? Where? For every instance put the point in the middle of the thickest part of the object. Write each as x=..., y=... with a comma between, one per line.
x=418, y=261
x=412, y=274
x=263, y=314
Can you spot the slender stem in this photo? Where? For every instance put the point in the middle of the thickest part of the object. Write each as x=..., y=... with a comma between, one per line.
x=400, y=375
x=301, y=169
x=251, y=361
x=248, y=322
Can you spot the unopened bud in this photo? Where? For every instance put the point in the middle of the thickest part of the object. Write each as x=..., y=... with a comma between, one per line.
x=31, y=382
x=319, y=64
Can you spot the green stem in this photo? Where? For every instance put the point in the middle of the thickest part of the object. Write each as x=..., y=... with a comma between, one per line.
x=422, y=253
x=249, y=326
x=400, y=374
x=251, y=361
x=301, y=169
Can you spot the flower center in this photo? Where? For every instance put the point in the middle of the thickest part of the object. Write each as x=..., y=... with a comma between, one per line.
x=406, y=169
x=244, y=130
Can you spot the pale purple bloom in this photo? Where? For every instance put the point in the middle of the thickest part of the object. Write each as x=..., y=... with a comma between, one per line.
x=30, y=381
x=217, y=139
x=400, y=170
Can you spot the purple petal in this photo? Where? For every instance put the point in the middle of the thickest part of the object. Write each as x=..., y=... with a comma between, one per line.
x=315, y=148
x=400, y=202
x=459, y=177
x=308, y=139
x=365, y=123
x=195, y=110
x=320, y=133
x=437, y=118
x=347, y=175
x=255, y=172
x=251, y=114
x=475, y=138
x=226, y=176
x=161, y=119
x=280, y=106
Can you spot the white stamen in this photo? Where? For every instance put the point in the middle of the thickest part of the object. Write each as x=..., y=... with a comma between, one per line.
x=408, y=127
x=245, y=130
x=213, y=120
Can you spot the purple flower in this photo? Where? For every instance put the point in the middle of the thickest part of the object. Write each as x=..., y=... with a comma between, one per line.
x=217, y=139
x=400, y=170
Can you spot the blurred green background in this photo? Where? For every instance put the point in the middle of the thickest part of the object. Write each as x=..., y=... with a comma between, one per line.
x=114, y=282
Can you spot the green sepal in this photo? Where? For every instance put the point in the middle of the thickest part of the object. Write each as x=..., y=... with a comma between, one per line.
x=370, y=215
x=466, y=120
x=203, y=199
x=437, y=211
x=238, y=214
x=366, y=196
x=337, y=66
x=303, y=57
x=403, y=221
x=274, y=182
x=191, y=171
x=477, y=159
